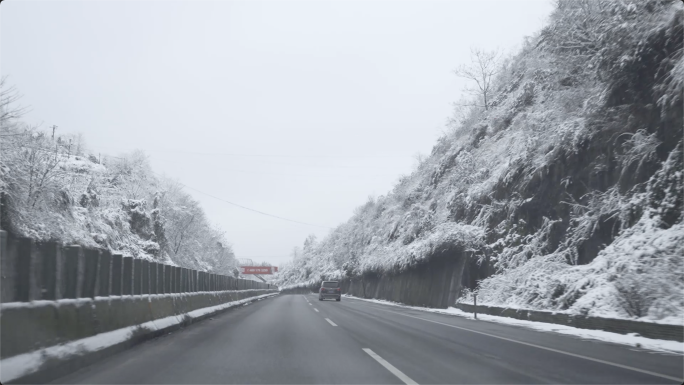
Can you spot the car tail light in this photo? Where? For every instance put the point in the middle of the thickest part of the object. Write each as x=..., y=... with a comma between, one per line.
x=338, y=289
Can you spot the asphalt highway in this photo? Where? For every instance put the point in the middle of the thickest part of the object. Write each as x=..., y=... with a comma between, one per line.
x=295, y=339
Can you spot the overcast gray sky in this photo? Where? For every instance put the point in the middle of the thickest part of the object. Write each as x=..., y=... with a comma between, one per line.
x=301, y=109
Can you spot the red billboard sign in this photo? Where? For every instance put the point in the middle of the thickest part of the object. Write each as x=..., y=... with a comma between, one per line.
x=258, y=269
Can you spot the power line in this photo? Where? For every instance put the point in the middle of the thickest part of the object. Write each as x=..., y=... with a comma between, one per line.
x=302, y=175
x=263, y=256
x=265, y=155
x=311, y=175
x=212, y=196
x=317, y=165
x=256, y=211
x=55, y=151
x=250, y=209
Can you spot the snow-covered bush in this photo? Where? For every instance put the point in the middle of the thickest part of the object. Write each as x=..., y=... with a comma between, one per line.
x=51, y=191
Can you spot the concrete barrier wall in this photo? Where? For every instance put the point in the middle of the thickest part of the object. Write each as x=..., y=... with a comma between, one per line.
x=644, y=329
x=53, y=297
x=34, y=271
x=26, y=327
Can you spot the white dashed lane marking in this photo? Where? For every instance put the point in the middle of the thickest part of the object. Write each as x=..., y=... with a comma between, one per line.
x=406, y=379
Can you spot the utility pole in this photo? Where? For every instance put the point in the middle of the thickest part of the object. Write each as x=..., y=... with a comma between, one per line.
x=69, y=151
x=53, y=131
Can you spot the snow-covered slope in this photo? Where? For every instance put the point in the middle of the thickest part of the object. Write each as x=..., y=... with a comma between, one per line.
x=52, y=190
x=567, y=193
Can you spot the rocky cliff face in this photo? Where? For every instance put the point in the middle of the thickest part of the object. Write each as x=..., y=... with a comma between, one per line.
x=567, y=193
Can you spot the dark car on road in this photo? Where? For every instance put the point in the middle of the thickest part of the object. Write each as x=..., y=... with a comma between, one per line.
x=330, y=289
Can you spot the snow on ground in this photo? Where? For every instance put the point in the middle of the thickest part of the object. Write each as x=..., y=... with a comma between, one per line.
x=630, y=339
x=23, y=364
x=84, y=301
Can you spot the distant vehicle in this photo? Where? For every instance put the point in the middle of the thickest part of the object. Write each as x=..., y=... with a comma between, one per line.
x=330, y=289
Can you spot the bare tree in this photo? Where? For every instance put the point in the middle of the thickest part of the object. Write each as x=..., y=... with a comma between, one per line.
x=8, y=97
x=482, y=68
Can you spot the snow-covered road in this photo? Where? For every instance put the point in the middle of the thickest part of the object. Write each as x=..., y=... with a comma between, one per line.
x=297, y=339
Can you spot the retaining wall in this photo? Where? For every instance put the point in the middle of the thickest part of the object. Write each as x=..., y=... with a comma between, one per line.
x=435, y=283
x=644, y=329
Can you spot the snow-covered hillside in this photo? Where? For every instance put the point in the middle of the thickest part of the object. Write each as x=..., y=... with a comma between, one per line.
x=54, y=189
x=566, y=194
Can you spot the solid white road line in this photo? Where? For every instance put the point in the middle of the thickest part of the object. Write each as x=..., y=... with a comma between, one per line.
x=407, y=380
x=316, y=310
x=310, y=304
x=330, y=322
x=545, y=348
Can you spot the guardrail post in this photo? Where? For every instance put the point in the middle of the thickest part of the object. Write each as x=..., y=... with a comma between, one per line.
x=199, y=281
x=172, y=278
x=73, y=271
x=161, y=285
x=154, y=279
x=91, y=261
x=105, y=274
x=24, y=270
x=8, y=268
x=188, y=280
x=127, y=275
x=117, y=274
x=137, y=276
x=168, y=277
x=145, y=283
x=50, y=254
